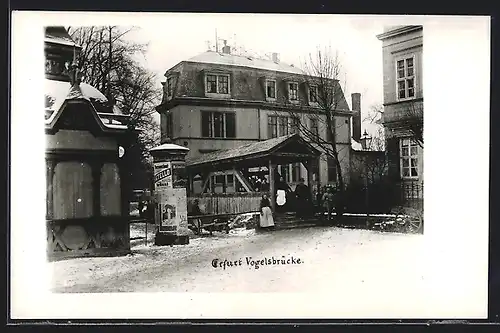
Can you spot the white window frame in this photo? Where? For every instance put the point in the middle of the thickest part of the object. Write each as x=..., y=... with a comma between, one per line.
x=406, y=77
x=275, y=92
x=315, y=87
x=288, y=89
x=411, y=144
x=218, y=93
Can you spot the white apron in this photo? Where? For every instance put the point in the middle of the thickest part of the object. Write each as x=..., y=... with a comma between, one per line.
x=266, y=218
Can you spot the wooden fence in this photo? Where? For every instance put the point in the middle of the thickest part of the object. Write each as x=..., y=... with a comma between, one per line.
x=384, y=196
x=226, y=203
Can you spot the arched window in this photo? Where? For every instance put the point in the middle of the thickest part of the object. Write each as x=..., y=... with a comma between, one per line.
x=110, y=190
x=72, y=190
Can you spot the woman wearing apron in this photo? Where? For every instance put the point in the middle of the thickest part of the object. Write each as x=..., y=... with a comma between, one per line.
x=266, y=214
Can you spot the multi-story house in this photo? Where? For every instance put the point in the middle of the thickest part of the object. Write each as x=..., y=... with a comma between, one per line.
x=219, y=100
x=403, y=103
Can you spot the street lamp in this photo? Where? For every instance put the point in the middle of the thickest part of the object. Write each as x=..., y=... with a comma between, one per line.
x=366, y=141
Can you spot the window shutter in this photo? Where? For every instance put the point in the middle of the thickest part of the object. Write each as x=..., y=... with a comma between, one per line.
x=205, y=124
x=230, y=125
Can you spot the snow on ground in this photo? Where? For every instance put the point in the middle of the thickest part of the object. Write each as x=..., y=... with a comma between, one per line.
x=331, y=258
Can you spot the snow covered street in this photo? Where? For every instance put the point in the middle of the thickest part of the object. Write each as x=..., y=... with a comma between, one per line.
x=318, y=258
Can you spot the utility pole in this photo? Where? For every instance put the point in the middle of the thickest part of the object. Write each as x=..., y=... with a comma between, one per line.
x=216, y=42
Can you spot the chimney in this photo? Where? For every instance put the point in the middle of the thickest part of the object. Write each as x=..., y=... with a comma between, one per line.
x=276, y=57
x=356, y=118
x=226, y=48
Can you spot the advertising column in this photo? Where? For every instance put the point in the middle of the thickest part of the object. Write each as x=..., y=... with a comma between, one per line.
x=170, y=188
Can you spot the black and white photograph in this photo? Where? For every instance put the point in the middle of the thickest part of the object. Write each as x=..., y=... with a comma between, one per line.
x=249, y=165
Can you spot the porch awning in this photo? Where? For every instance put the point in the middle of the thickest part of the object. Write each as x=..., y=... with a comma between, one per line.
x=282, y=150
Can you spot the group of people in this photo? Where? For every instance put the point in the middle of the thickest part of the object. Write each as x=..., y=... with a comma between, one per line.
x=302, y=201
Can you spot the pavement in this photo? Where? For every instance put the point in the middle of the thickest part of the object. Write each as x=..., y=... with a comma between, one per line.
x=320, y=259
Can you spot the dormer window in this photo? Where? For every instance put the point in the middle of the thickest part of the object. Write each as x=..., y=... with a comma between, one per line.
x=293, y=91
x=271, y=89
x=313, y=94
x=217, y=84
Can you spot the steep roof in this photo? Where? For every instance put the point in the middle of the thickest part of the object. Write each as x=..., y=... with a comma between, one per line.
x=57, y=92
x=59, y=35
x=212, y=57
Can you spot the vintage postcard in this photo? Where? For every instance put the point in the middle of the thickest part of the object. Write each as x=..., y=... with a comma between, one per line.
x=249, y=166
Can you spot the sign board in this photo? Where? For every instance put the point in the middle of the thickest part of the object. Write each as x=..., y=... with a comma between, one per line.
x=162, y=175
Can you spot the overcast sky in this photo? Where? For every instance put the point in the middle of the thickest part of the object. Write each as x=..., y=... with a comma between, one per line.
x=176, y=37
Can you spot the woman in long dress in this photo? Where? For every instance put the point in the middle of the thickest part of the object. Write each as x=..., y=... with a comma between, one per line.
x=266, y=215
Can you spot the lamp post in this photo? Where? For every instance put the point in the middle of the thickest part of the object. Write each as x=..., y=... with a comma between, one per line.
x=366, y=141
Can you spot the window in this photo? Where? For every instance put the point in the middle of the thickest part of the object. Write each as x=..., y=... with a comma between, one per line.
x=217, y=84
x=332, y=169
x=295, y=125
x=405, y=73
x=295, y=172
x=314, y=127
x=212, y=83
x=282, y=126
x=272, y=129
x=170, y=87
x=218, y=124
x=279, y=126
x=313, y=94
x=271, y=89
x=293, y=91
x=409, y=158
x=223, y=87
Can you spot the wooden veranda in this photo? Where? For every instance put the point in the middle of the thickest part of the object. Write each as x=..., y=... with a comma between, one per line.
x=269, y=153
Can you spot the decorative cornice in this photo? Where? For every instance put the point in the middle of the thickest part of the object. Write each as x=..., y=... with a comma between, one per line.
x=399, y=31
x=202, y=101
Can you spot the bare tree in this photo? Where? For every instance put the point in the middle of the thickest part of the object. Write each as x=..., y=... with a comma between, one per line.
x=413, y=114
x=108, y=62
x=322, y=75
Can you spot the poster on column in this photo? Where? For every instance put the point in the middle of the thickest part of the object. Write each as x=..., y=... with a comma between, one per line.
x=163, y=175
x=173, y=211
x=168, y=212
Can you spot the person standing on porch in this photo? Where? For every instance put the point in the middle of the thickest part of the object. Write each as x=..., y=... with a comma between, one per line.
x=266, y=214
x=303, y=195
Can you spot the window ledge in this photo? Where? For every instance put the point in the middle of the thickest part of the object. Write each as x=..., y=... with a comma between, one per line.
x=293, y=101
x=406, y=99
x=217, y=95
x=270, y=99
x=409, y=178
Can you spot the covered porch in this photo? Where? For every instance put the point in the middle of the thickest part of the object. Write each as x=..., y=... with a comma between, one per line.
x=232, y=181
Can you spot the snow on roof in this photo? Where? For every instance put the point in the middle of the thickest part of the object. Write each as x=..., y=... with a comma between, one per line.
x=356, y=145
x=116, y=126
x=169, y=146
x=211, y=57
x=59, y=35
x=57, y=92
